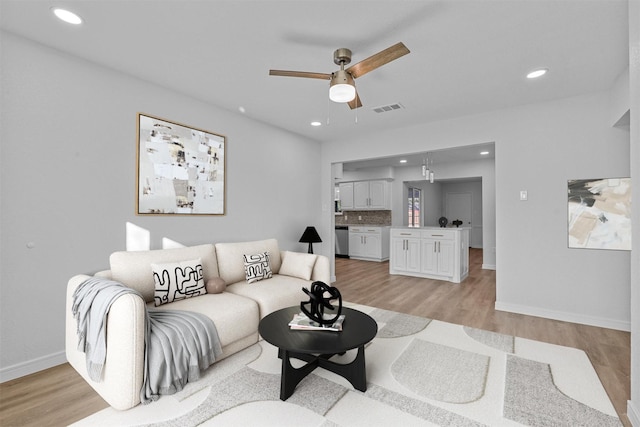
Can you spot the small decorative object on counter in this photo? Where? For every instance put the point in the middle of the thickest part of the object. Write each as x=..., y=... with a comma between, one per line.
x=457, y=223
x=318, y=302
x=443, y=221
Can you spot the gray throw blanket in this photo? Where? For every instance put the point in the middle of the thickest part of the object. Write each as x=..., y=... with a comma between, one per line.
x=178, y=344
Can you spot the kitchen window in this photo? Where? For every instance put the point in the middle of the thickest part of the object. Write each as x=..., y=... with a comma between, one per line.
x=414, y=206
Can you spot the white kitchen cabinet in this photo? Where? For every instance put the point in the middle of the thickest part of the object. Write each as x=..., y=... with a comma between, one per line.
x=443, y=253
x=437, y=257
x=369, y=243
x=405, y=251
x=346, y=195
x=371, y=195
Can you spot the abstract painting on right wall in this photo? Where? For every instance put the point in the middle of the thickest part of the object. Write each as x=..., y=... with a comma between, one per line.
x=600, y=213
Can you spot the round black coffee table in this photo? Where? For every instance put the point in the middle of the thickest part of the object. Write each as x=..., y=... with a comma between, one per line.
x=316, y=347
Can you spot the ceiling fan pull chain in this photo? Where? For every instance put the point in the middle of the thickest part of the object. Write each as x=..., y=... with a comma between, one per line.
x=355, y=110
x=328, y=110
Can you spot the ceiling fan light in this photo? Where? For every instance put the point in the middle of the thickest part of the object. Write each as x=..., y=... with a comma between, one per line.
x=342, y=93
x=342, y=88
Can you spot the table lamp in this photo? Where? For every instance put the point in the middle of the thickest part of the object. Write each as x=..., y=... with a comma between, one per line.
x=310, y=236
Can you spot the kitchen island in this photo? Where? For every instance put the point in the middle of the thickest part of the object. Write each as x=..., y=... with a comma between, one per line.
x=430, y=252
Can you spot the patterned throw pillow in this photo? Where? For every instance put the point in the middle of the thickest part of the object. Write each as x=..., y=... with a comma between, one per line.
x=177, y=280
x=257, y=267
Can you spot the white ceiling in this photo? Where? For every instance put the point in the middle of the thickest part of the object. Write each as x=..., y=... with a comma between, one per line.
x=466, y=56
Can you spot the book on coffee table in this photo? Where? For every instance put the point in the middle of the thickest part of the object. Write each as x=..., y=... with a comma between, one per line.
x=302, y=323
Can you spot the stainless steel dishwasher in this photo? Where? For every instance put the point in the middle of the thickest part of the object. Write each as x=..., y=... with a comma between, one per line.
x=342, y=241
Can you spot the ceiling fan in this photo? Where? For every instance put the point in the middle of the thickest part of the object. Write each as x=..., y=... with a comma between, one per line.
x=342, y=87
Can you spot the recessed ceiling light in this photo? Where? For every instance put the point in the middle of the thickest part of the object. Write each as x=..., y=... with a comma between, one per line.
x=316, y=124
x=484, y=153
x=403, y=161
x=537, y=73
x=242, y=109
x=67, y=16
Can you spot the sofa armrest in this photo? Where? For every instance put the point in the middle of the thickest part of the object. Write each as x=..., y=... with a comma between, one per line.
x=105, y=274
x=122, y=375
x=322, y=270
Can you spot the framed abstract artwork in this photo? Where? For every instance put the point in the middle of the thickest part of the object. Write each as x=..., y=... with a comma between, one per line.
x=181, y=169
x=599, y=213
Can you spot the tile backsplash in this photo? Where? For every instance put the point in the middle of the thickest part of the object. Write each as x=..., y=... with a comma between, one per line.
x=368, y=217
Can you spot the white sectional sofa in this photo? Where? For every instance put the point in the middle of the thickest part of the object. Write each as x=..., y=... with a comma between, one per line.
x=235, y=312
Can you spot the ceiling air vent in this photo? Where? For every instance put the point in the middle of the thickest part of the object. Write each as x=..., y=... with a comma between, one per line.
x=390, y=107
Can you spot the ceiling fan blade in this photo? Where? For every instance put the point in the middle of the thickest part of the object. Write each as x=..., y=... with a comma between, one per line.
x=284, y=73
x=355, y=103
x=378, y=60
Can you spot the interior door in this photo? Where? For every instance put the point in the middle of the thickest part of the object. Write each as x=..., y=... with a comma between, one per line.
x=458, y=206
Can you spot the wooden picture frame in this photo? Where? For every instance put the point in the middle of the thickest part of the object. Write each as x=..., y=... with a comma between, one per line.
x=181, y=170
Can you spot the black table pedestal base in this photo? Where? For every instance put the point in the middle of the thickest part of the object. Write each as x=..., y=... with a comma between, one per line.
x=354, y=372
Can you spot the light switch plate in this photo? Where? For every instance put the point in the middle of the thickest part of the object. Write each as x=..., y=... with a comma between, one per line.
x=523, y=195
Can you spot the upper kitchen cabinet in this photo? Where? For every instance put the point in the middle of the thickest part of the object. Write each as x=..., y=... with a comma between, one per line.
x=346, y=196
x=371, y=195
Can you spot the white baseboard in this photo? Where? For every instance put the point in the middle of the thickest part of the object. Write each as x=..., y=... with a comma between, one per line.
x=25, y=368
x=633, y=413
x=564, y=316
x=488, y=266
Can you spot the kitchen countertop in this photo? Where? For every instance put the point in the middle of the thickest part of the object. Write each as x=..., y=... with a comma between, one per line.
x=365, y=225
x=428, y=228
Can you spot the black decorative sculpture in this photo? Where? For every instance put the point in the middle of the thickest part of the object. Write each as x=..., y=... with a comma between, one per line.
x=443, y=221
x=457, y=223
x=318, y=302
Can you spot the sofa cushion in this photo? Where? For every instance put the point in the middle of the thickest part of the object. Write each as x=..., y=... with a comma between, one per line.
x=257, y=267
x=231, y=257
x=133, y=268
x=177, y=280
x=235, y=317
x=297, y=264
x=272, y=294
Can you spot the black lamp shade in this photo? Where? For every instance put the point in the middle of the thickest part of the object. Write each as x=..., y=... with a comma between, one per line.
x=310, y=236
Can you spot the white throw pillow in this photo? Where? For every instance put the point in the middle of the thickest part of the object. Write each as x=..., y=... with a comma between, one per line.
x=297, y=264
x=257, y=267
x=177, y=280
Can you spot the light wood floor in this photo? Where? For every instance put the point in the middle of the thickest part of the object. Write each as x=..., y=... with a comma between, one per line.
x=59, y=396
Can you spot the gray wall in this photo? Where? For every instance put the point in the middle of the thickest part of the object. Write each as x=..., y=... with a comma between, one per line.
x=538, y=148
x=68, y=172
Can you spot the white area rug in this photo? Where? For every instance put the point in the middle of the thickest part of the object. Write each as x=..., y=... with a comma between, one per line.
x=420, y=372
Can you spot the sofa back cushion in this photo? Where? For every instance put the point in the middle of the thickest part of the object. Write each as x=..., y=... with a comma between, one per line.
x=133, y=268
x=231, y=257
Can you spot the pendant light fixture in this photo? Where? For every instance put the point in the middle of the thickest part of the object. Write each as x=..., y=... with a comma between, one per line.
x=427, y=170
x=432, y=174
